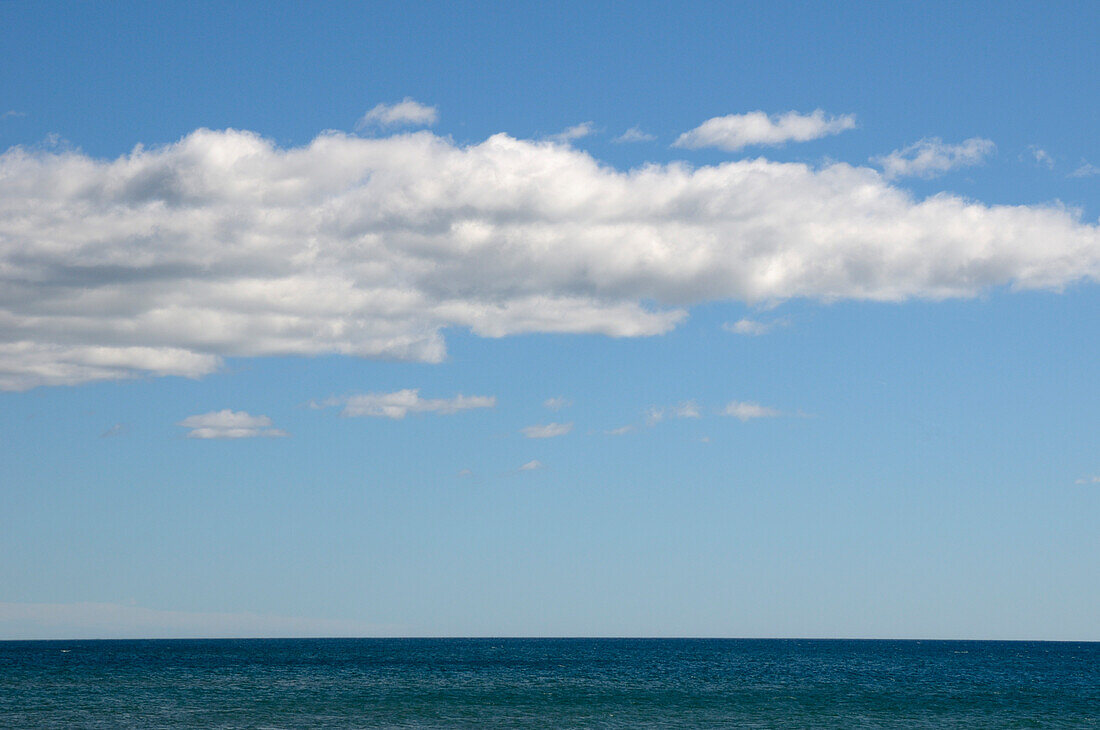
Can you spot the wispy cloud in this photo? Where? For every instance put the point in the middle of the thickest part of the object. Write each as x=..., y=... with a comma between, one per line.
x=753, y=327
x=685, y=409
x=634, y=134
x=734, y=131
x=746, y=411
x=1041, y=157
x=10, y=113
x=401, y=403
x=931, y=156
x=406, y=113
x=577, y=131
x=1087, y=169
x=547, y=430
x=116, y=430
x=557, y=403
x=1088, y=480
x=620, y=431
x=533, y=465
x=229, y=424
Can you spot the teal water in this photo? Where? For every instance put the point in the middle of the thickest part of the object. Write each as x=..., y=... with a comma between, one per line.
x=548, y=683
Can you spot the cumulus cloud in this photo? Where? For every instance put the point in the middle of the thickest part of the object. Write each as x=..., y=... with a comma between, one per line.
x=734, y=131
x=547, y=430
x=634, y=134
x=753, y=327
x=229, y=424
x=748, y=411
x=400, y=403
x=557, y=403
x=406, y=113
x=532, y=465
x=165, y=261
x=930, y=157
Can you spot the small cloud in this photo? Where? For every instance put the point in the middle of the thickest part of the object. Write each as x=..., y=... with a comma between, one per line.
x=734, y=131
x=400, y=403
x=746, y=411
x=547, y=430
x=10, y=113
x=1041, y=157
x=704, y=439
x=752, y=327
x=931, y=157
x=533, y=465
x=229, y=424
x=557, y=403
x=465, y=473
x=116, y=430
x=687, y=409
x=634, y=134
x=1087, y=169
x=1089, y=480
x=406, y=113
x=577, y=131
x=620, y=431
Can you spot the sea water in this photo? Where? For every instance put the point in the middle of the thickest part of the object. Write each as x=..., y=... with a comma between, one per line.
x=548, y=683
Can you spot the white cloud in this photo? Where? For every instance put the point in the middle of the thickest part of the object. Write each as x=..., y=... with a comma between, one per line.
x=1041, y=156
x=166, y=260
x=687, y=409
x=229, y=424
x=532, y=465
x=557, y=403
x=734, y=131
x=654, y=415
x=634, y=134
x=753, y=327
x=406, y=113
x=1089, y=480
x=620, y=431
x=547, y=430
x=577, y=131
x=10, y=113
x=1087, y=169
x=930, y=157
x=117, y=621
x=400, y=403
x=747, y=411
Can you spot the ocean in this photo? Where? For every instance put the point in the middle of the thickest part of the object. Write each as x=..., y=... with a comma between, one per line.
x=548, y=683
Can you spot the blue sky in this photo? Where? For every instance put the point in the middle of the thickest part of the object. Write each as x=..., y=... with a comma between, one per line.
x=811, y=352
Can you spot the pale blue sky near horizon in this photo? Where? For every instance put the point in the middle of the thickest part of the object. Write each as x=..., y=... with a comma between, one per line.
x=919, y=468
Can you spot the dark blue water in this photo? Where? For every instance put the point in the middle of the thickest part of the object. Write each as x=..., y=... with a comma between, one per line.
x=538, y=683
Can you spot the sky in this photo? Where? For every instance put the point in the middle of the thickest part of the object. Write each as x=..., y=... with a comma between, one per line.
x=527, y=319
